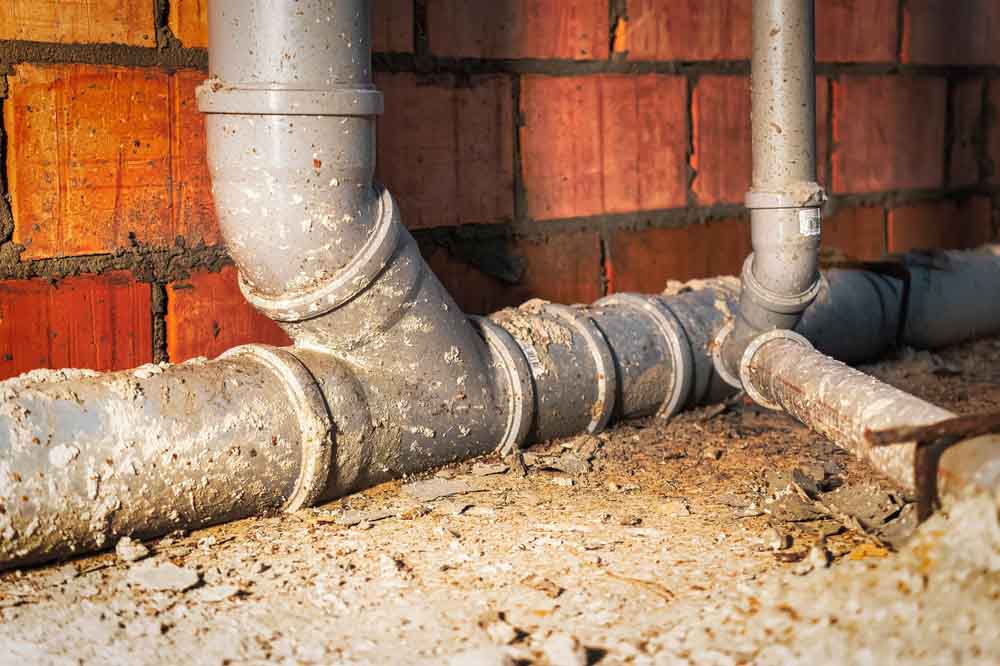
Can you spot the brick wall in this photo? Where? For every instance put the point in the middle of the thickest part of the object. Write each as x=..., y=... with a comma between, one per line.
x=560, y=149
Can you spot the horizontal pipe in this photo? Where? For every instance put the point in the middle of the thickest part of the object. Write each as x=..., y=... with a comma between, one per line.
x=839, y=402
x=247, y=435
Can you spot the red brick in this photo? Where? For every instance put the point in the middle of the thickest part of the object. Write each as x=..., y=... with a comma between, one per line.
x=188, y=21
x=941, y=224
x=97, y=154
x=856, y=30
x=101, y=322
x=568, y=29
x=689, y=29
x=967, y=107
x=643, y=261
x=721, y=158
x=946, y=32
x=392, y=26
x=993, y=130
x=207, y=314
x=888, y=132
x=603, y=144
x=563, y=268
x=445, y=148
x=855, y=234
x=89, y=21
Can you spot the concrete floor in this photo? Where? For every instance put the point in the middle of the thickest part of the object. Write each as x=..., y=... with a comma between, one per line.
x=655, y=544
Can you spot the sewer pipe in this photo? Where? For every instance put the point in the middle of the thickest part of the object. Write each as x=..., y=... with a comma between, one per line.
x=387, y=376
x=780, y=278
x=86, y=457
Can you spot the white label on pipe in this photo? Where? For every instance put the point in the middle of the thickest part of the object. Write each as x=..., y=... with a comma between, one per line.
x=809, y=221
x=531, y=354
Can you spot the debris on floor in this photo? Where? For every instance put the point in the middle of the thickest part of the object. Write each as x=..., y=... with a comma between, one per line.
x=628, y=547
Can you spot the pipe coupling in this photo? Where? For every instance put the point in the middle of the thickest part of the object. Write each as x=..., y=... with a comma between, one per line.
x=803, y=194
x=316, y=428
x=509, y=358
x=350, y=281
x=676, y=340
x=774, y=301
x=217, y=96
x=748, y=354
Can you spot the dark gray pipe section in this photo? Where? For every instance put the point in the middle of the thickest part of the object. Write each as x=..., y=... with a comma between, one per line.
x=780, y=277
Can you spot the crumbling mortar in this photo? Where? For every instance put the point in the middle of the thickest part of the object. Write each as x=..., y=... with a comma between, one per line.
x=170, y=57
x=617, y=13
x=689, y=169
x=949, y=129
x=158, y=304
x=421, y=40
x=985, y=126
x=520, y=191
x=900, y=28
x=146, y=264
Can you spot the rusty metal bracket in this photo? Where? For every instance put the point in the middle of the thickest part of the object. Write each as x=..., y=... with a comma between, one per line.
x=931, y=442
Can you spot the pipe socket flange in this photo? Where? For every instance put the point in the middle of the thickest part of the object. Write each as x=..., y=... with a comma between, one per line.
x=748, y=354
x=806, y=194
x=217, y=96
x=717, y=347
x=306, y=398
x=350, y=281
x=772, y=300
x=603, y=362
x=677, y=342
x=510, y=358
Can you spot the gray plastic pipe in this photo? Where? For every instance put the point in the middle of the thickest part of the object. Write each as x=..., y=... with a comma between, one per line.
x=387, y=377
x=781, y=277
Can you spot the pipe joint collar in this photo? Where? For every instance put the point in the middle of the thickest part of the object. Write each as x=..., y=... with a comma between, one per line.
x=775, y=301
x=803, y=194
x=354, y=278
x=510, y=359
x=677, y=342
x=316, y=427
x=607, y=377
x=748, y=354
x=217, y=96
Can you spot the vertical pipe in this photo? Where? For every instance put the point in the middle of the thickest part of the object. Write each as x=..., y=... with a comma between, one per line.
x=780, y=278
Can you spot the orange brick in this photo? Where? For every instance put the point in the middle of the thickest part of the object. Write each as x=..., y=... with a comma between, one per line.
x=568, y=29
x=941, y=224
x=445, y=148
x=855, y=233
x=98, y=154
x=563, y=268
x=856, y=30
x=392, y=24
x=603, y=144
x=89, y=21
x=101, y=322
x=967, y=116
x=721, y=158
x=946, y=32
x=888, y=132
x=188, y=21
x=689, y=29
x=644, y=260
x=207, y=314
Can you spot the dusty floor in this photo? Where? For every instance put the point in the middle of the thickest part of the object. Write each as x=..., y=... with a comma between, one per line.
x=690, y=542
